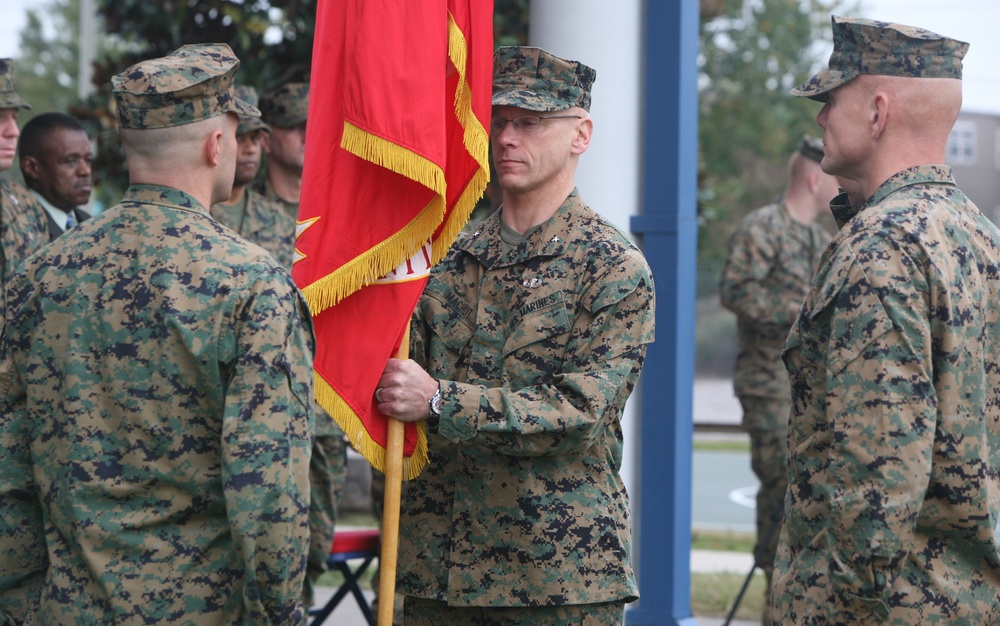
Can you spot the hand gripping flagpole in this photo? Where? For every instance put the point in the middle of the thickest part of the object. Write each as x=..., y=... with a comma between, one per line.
x=390, y=507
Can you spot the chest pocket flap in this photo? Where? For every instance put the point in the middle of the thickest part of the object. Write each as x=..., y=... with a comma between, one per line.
x=538, y=321
x=450, y=317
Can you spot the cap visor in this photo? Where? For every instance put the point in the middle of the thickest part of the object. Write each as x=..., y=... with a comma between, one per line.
x=818, y=87
x=250, y=124
x=245, y=108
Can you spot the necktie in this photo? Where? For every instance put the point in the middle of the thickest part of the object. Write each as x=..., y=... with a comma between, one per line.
x=70, y=220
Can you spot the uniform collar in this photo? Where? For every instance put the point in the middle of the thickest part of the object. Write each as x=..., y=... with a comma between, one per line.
x=163, y=196
x=549, y=240
x=843, y=211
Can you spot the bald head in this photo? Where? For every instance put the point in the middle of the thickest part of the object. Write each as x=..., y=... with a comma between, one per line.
x=199, y=158
x=809, y=189
x=921, y=109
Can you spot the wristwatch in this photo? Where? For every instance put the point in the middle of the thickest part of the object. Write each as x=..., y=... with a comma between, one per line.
x=435, y=405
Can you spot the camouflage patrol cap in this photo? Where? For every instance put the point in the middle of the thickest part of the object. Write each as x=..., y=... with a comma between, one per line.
x=533, y=79
x=870, y=47
x=9, y=99
x=249, y=123
x=811, y=148
x=192, y=83
x=286, y=105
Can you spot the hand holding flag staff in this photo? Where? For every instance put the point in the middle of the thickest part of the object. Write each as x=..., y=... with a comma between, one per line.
x=396, y=159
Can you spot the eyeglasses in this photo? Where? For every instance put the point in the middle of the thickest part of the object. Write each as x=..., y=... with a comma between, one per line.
x=526, y=123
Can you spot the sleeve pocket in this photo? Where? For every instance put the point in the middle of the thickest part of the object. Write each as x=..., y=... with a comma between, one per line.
x=857, y=317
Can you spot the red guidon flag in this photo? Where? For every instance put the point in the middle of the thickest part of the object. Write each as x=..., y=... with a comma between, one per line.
x=396, y=159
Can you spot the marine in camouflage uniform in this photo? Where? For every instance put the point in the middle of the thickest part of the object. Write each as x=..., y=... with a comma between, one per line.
x=533, y=341
x=894, y=441
x=23, y=222
x=156, y=394
x=772, y=255
x=285, y=109
x=265, y=222
x=260, y=219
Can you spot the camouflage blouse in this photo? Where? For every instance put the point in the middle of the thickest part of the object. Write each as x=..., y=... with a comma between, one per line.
x=894, y=439
x=155, y=424
x=522, y=502
x=23, y=229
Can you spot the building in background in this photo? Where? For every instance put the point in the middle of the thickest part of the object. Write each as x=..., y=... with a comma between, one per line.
x=974, y=155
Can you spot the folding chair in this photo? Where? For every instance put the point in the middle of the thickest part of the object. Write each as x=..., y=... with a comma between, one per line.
x=349, y=545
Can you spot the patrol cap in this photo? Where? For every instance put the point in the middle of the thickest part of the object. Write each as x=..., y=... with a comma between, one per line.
x=9, y=99
x=811, y=148
x=192, y=83
x=882, y=48
x=249, y=123
x=536, y=80
x=286, y=105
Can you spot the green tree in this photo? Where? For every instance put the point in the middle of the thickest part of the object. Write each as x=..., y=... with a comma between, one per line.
x=46, y=70
x=750, y=57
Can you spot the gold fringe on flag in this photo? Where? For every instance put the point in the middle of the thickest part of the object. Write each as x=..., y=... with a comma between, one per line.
x=386, y=255
x=475, y=138
x=359, y=436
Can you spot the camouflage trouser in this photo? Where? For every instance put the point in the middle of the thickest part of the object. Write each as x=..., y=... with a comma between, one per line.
x=769, y=461
x=327, y=474
x=421, y=612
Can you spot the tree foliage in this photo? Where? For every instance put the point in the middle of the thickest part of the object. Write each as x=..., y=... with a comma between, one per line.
x=272, y=38
x=46, y=74
x=750, y=57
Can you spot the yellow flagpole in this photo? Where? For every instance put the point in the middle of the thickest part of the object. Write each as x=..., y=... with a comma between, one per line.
x=390, y=507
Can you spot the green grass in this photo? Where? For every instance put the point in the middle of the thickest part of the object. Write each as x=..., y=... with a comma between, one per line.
x=713, y=595
x=352, y=519
x=741, y=444
x=722, y=540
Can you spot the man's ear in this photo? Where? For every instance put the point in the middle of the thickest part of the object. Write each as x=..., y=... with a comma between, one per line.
x=213, y=147
x=30, y=167
x=812, y=182
x=265, y=141
x=879, y=114
x=581, y=141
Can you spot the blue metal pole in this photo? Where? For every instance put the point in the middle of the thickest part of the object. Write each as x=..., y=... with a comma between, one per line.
x=668, y=229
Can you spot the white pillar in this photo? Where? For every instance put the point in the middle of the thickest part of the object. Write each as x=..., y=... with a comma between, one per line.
x=607, y=36
x=88, y=48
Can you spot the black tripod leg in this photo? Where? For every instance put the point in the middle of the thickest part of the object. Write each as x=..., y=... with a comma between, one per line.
x=776, y=518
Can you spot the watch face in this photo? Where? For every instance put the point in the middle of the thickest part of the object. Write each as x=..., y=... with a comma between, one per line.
x=436, y=402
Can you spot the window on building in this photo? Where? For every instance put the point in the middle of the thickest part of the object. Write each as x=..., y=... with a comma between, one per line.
x=962, y=144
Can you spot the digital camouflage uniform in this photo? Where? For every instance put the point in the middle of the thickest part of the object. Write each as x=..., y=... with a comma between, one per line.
x=23, y=229
x=284, y=106
x=521, y=502
x=23, y=222
x=261, y=220
x=155, y=404
x=894, y=442
x=766, y=276
x=266, y=222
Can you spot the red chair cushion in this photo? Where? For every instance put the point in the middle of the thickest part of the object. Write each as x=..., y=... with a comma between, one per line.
x=355, y=540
